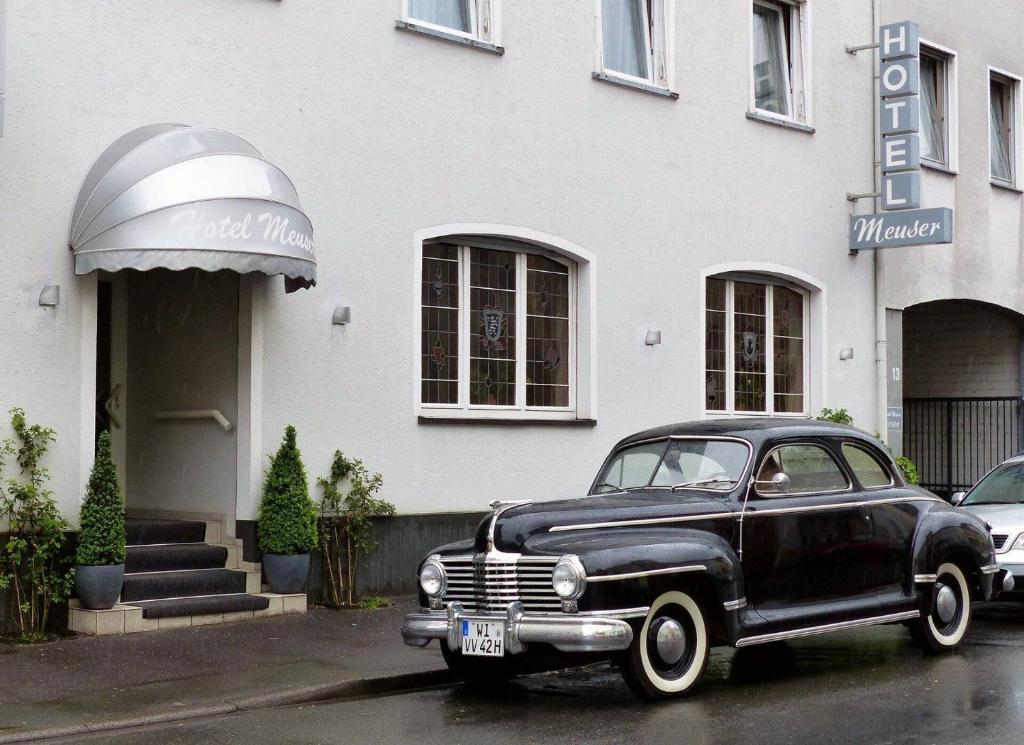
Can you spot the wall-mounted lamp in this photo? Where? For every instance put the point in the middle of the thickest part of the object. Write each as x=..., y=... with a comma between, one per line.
x=342, y=315
x=50, y=296
x=846, y=353
x=653, y=337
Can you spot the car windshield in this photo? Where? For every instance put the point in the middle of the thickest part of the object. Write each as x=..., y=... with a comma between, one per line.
x=1005, y=485
x=696, y=462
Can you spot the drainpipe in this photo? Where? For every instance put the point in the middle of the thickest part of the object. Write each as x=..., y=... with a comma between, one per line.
x=881, y=357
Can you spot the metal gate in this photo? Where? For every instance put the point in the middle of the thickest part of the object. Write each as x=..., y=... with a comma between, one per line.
x=954, y=441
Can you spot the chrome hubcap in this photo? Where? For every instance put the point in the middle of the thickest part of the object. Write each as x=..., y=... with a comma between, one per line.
x=671, y=641
x=945, y=603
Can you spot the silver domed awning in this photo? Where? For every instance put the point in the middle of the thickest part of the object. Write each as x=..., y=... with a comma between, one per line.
x=180, y=197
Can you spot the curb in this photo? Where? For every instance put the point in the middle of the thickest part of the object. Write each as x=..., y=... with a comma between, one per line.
x=311, y=694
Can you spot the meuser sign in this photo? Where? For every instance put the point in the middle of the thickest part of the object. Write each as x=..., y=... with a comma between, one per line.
x=902, y=223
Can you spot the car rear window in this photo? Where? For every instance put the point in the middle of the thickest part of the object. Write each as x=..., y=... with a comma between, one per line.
x=866, y=466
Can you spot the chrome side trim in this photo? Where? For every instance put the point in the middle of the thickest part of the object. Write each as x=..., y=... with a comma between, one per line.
x=838, y=506
x=645, y=521
x=924, y=579
x=735, y=604
x=813, y=630
x=736, y=515
x=647, y=573
x=989, y=569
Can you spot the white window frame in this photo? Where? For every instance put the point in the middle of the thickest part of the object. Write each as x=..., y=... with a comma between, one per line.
x=482, y=411
x=798, y=58
x=769, y=351
x=484, y=19
x=1017, y=116
x=661, y=59
x=948, y=57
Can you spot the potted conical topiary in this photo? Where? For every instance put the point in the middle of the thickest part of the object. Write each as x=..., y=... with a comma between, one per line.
x=101, y=540
x=287, y=519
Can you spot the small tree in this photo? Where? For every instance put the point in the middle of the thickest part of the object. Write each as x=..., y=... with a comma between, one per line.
x=839, y=416
x=32, y=561
x=287, y=519
x=101, y=541
x=345, y=526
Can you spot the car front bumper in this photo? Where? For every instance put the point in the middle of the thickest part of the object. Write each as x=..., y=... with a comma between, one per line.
x=565, y=632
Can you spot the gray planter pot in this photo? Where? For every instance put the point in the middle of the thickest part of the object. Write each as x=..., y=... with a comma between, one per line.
x=98, y=587
x=286, y=573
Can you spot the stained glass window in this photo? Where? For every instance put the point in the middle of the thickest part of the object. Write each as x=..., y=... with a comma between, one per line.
x=547, y=332
x=492, y=333
x=749, y=346
x=439, y=290
x=788, y=311
x=764, y=364
x=497, y=328
x=714, y=347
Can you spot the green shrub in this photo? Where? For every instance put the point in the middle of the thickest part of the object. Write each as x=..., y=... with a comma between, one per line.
x=287, y=519
x=839, y=416
x=909, y=470
x=33, y=566
x=101, y=541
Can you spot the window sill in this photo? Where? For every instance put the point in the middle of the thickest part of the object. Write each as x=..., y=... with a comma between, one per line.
x=505, y=421
x=1007, y=186
x=635, y=85
x=940, y=167
x=757, y=116
x=483, y=46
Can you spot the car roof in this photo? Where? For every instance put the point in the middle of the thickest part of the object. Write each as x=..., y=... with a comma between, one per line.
x=756, y=431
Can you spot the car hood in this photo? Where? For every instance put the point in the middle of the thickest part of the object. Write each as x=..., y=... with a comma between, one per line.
x=514, y=525
x=1004, y=518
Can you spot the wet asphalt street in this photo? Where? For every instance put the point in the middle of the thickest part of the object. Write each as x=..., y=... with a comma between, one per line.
x=867, y=686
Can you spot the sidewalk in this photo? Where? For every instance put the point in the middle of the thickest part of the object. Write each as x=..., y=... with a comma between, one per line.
x=89, y=684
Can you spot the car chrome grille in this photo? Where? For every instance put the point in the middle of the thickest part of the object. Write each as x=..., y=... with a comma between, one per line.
x=488, y=583
x=999, y=540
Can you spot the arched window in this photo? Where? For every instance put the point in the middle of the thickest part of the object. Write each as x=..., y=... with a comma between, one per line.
x=498, y=326
x=756, y=346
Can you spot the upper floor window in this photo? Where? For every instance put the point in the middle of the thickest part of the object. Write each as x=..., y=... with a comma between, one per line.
x=635, y=40
x=1004, y=100
x=756, y=341
x=498, y=327
x=935, y=105
x=779, y=58
x=470, y=18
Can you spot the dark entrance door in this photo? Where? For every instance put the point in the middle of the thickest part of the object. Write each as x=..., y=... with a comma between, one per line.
x=954, y=441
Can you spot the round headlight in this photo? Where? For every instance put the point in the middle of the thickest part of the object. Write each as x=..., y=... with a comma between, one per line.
x=432, y=577
x=569, y=578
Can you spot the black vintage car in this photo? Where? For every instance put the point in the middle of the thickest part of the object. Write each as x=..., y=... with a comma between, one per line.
x=710, y=533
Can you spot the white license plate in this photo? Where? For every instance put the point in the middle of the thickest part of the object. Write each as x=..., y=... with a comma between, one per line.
x=483, y=638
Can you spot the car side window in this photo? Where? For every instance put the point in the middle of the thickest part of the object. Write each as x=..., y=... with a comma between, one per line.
x=866, y=467
x=809, y=469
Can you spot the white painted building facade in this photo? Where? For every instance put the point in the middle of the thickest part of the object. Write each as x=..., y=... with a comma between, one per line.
x=661, y=183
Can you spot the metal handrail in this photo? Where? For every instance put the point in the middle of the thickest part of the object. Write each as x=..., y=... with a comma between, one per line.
x=196, y=414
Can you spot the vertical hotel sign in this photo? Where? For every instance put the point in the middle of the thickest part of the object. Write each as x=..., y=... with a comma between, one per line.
x=901, y=222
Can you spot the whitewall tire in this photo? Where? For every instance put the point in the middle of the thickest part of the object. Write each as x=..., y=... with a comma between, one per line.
x=670, y=650
x=943, y=627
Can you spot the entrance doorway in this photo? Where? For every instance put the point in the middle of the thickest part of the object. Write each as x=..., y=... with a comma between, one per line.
x=962, y=390
x=169, y=368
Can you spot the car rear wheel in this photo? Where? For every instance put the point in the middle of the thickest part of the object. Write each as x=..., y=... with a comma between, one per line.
x=670, y=651
x=943, y=628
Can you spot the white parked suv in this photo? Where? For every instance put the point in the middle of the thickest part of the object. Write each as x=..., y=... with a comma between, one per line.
x=998, y=499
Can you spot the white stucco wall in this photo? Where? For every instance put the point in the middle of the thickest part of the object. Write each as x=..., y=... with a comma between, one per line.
x=985, y=260
x=387, y=133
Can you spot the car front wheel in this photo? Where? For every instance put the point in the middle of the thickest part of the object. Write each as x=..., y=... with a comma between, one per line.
x=670, y=651
x=943, y=628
